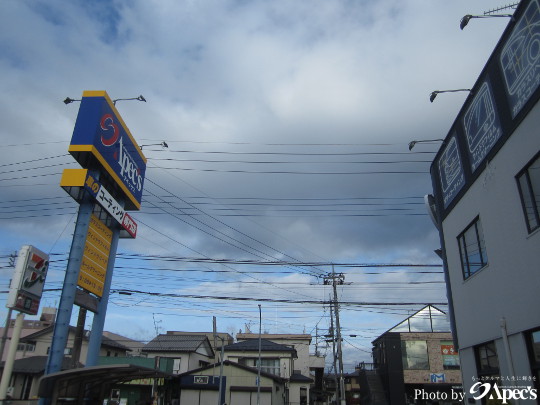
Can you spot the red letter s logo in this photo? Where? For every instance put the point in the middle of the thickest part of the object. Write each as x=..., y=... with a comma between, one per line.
x=107, y=123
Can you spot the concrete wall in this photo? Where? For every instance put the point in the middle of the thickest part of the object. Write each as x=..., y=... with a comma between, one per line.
x=508, y=287
x=513, y=256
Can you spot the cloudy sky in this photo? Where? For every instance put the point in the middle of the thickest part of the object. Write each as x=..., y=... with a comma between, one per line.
x=287, y=125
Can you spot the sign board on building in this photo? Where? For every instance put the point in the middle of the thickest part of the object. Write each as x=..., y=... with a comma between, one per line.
x=437, y=378
x=95, y=257
x=451, y=171
x=200, y=379
x=519, y=59
x=101, y=134
x=28, y=280
x=506, y=90
x=482, y=125
x=74, y=179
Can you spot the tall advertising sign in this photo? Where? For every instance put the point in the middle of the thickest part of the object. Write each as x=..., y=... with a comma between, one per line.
x=101, y=134
x=109, y=183
x=28, y=280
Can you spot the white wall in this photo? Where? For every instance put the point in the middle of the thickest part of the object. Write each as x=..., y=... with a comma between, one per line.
x=509, y=285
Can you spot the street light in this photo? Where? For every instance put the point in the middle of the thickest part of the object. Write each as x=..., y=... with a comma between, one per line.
x=140, y=98
x=465, y=20
x=162, y=144
x=434, y=93
x=69, y=100
x=412, y=143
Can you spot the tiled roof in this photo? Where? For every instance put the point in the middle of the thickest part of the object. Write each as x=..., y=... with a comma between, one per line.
x=35, y=364
x=234, y=364
x=252, y=345
x=176, y=343
x=105, y=341
x=296, y=377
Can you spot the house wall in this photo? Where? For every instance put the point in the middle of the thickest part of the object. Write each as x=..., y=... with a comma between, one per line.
x=43, y=343
x=188, y=361
x=435, y=359
x=238, y=378
x=300, y=343
x=507, y=288
x=19, y=383
x=513, y=255
x=294, y=392
x=285, y=360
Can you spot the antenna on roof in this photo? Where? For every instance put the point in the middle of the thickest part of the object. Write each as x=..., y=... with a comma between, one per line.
x=496, y=10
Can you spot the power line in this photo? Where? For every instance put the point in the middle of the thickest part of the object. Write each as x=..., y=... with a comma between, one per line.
x=234, y=229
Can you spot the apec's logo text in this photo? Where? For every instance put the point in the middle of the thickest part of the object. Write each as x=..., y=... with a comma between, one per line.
x=129, y=170
x=481, y=390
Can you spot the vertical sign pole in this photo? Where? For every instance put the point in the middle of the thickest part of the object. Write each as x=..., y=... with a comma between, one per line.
x=5, y=333
x=67, y=299
x=8, y=368
x=94, y=343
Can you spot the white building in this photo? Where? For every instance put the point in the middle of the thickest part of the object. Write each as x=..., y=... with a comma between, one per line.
x=486, y=181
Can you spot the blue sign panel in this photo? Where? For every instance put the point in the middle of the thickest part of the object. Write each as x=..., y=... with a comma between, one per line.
x=451, y=171
x=437, y=378
x=101, y=132
x=520, y=59
x=482, y=125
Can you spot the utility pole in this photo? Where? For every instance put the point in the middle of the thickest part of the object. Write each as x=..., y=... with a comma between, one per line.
x=336, y=279
x=259, y=363
x=332, y=336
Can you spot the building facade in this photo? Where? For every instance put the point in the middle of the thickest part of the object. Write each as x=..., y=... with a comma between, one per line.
x=305, y=371
x=486, y=182
x=417, y=358
x=188, y=351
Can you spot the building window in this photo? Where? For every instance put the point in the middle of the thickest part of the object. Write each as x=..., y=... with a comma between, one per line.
x=414, y=355
x=487, y=360
x=449, y=355
x=267, y=365
x=26, y=347
x=472, y=249
x=303, y=396
x=176, y=366
x=529, y=188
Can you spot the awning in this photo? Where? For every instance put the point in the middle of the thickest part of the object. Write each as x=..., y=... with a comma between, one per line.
x=114, y=373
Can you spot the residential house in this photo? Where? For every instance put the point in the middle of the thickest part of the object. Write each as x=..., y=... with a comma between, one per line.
x=30, y=326
x=238, y=382
x=39, y=344
x=486, y=206
x=216, y=340
x=416, y=356
x=352, y=387
x=276, y=359
x=32, y=355
x=188, y=351
x=304, y=365
x=135, y=346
